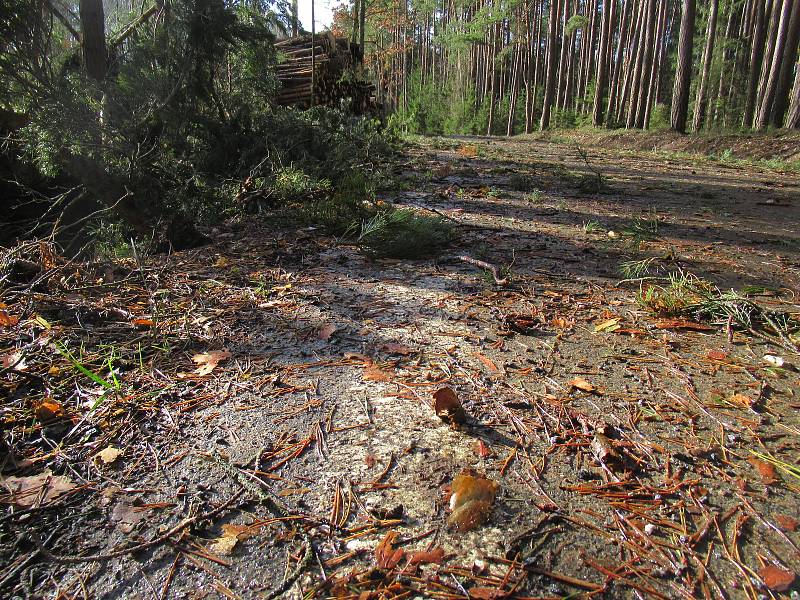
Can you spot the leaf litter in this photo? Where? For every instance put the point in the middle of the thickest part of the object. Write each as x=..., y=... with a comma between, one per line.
x=678, y=480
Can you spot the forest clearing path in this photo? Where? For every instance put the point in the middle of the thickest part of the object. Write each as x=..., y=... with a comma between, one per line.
x=636, y=455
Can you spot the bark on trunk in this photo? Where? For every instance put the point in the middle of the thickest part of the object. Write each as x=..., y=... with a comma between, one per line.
x=708, y=54
x=552, y=57
x=93, y=32
x=771, y=79
x=683, y=74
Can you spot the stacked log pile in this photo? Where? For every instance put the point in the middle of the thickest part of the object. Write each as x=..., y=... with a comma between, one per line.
x=335, y=62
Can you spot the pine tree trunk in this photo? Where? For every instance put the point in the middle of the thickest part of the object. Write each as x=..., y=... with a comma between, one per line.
x=93, y=32
x=683, y=73
x=757, y=40
x=726, y=56
x=552, y=57
x=630, y=66
x=708, y=54
x=638, y=107
x=655, y=70
x=602, y=65
x=618, y=59
x=788, y=62
x=793, y=118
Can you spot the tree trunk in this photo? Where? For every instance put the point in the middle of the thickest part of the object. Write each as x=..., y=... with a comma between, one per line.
x=756, y=55
x=793, y=118
x=788, y=62
x=93, y=32
x=552, y=57
x=618, y=60
x=602, y=65
x=638, y=107
x=772, y=75
x=708, y=54
x=683, y=73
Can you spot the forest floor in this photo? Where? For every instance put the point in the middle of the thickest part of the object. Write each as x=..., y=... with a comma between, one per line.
x=215, y=422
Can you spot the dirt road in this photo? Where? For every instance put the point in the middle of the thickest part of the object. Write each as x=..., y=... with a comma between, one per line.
x=635, y=455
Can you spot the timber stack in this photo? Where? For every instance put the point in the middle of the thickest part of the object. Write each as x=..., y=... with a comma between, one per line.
x=335, y=62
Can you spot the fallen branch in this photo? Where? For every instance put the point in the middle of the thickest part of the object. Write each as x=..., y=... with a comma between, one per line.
x=487, y=266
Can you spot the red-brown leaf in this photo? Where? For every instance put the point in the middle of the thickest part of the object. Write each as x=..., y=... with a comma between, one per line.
x=435, y=556
x=776, y=578
x=448, y=407
x=765, y=469
x=682, y=324
x=786, y=522
x=386, y=556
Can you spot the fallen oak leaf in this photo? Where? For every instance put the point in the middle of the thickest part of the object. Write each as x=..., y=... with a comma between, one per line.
x=776, y=578
x=208, y=361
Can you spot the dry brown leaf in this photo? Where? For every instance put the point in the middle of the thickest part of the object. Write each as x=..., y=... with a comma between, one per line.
x=471, y=500
x=373, y=372
x=386, y=556
x=399, y=349
x=786, y=523
x=208, y=361
x=717, y=355
x=7, y=320
x=482, y=450
x=448, y=407
x=36, y=490
x=48, y=409
x=422, y=557
x=109, y=455
x=682, y=324
x=487, y=361
x=608, y=325
x=776, y=578
x=742, y=400
x=581, y=384
x=765, y=469
x=487, y=593
x=143, y=322
x=326, y=331
x=231, y=535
